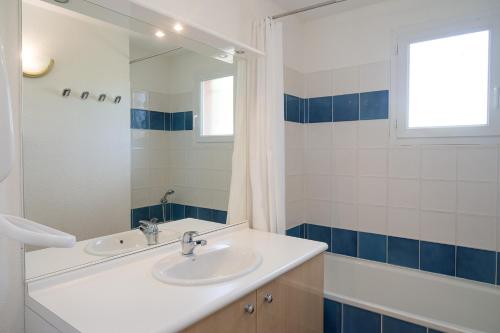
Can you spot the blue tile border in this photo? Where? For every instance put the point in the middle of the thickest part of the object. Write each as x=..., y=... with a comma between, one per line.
x=346, y=107
x=176, y=212
x=319, y=233
x=350, y=107
x=374, y=105
x=475, y=264
x=320, y=110
x=403, y=252
x=393, y=325
x=357, y=320
x=161, y=121
x=448, y=260
x=437, y=258
x=344, y=318
x=372, y=246
x=344, y=242
x=332, y=316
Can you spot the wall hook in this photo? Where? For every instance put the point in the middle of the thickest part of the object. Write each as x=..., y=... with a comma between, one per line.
x=84, y=95
x=102, y=97
x=66, y=92
x=117, y=99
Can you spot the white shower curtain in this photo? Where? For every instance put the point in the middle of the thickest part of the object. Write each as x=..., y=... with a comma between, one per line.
x=266, y=128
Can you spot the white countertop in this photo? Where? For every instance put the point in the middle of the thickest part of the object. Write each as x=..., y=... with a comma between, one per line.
x=50, y=260
x=123, y=296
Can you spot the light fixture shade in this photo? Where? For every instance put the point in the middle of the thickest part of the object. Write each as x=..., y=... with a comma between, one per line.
x=38, y=70
x=36, y=62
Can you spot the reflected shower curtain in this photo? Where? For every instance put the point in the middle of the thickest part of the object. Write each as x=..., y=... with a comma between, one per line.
x=237, y=207
x=266, y=128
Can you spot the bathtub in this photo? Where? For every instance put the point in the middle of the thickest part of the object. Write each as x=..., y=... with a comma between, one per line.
x=426, y=299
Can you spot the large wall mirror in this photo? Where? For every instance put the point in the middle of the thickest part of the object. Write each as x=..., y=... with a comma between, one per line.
x=126, y=128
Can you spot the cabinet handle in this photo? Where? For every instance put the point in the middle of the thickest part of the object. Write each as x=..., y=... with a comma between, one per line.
x=249, y=308
x=268, y=298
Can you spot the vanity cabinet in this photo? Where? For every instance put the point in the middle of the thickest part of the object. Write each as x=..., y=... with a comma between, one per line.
x=290, y=303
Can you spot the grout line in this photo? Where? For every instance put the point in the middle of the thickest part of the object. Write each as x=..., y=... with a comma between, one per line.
x=342, y=317
x=456, y=208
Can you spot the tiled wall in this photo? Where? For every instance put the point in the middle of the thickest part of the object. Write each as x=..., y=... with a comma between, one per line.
x=175, y=212
x=421, y=206
x=344, y=318
x=166, y=155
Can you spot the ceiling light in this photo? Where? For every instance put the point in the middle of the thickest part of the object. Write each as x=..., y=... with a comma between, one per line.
x=160, y=34
x=178, y=27
x=223, y=55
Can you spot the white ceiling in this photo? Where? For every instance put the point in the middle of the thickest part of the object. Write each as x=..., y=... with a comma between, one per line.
x=323, y=11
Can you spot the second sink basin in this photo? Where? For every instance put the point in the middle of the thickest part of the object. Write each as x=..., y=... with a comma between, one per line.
x=125, y=242
x=216, y=264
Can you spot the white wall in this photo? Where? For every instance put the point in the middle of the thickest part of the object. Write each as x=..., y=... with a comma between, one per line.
x=351, y=175
x=77, y=153
x=11, y=254
x=199, y=173
x=364, y=35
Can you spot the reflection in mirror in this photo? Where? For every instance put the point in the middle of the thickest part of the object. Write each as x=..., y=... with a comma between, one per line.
x=137, y=150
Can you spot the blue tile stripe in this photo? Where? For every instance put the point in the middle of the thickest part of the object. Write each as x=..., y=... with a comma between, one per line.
x=161, y=121
x=350, y=107
x=450, y=260
x=343, y=318
x=175, y=212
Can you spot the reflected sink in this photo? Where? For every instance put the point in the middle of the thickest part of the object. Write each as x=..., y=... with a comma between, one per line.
x=125, y=242
x=216, y=264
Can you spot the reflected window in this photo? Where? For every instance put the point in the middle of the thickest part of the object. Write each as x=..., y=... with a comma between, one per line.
x=217, y=107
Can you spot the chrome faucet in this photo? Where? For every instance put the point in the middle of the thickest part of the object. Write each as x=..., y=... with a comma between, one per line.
x=188, y=244
x=150, y=230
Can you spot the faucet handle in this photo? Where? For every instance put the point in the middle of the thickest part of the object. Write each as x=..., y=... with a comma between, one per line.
x=187, y=237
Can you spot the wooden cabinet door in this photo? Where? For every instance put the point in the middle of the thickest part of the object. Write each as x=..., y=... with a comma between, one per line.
x=303, y=289
x=231, y=319
x=271, y=308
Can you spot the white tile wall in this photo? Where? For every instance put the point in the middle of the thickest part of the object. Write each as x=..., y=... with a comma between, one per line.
x=200, y=173
x=319, y=84
x=374, y=76
x=354, y=178
x=345, y=81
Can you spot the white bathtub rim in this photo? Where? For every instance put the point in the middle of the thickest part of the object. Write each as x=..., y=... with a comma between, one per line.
x=454, y=280
x=402, y=315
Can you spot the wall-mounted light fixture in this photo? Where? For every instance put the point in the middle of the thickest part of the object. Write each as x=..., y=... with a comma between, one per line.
x=117, y=100
x=102, y=97
x=35, y=64
x=84, y=95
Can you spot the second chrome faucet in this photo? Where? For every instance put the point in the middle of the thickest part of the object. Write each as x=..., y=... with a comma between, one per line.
x=188, y=244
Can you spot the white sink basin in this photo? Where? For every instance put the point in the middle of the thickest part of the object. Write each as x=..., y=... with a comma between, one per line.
x=216, y=264
x=125, y=242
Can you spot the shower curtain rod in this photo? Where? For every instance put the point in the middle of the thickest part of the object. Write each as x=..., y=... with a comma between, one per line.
x=305, y=9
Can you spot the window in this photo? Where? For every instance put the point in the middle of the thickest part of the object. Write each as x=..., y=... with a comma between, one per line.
x=445, y=82
x=216, y=108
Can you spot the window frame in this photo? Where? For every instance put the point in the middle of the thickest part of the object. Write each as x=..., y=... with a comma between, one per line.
x=198, y=115
x=400, y=80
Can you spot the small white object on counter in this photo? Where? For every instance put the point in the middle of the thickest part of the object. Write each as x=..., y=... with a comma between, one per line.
x=123, y=296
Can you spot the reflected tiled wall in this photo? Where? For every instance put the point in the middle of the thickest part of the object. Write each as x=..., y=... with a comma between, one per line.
x=166, y=155
x=344, y=174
